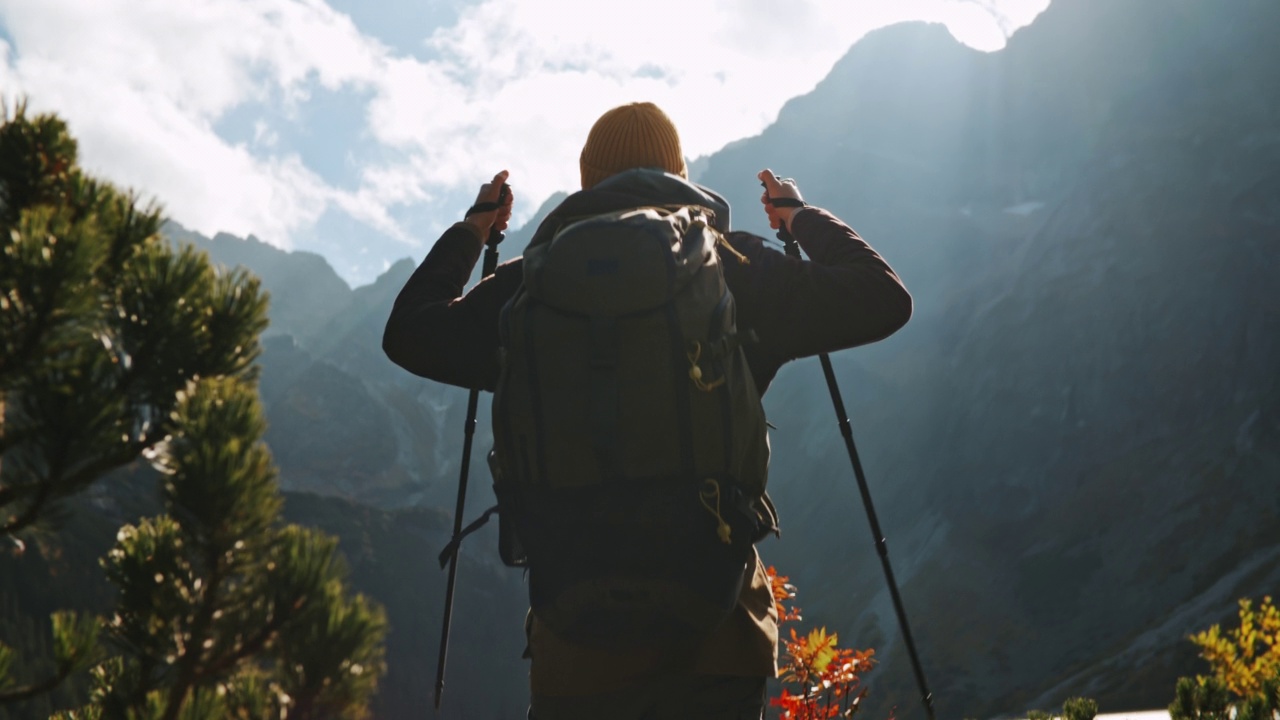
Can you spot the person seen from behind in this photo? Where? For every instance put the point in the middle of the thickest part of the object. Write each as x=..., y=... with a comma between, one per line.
x=783, y=308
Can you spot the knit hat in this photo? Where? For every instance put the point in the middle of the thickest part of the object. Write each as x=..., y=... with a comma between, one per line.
x=631, y=136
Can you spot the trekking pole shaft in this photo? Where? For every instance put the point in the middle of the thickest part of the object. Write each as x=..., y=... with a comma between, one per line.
x=460, y=508
x=882, y=548
x=846, y=431
x=473, y=402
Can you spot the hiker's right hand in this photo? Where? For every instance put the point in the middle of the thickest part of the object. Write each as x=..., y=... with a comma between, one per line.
x=491, y=192
x=775, y=187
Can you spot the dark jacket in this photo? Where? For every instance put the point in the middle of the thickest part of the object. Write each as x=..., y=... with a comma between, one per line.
x=845, y=295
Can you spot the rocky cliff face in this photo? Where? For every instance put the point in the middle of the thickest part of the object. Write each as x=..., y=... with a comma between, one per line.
x=1074, y=446
x=344, y=421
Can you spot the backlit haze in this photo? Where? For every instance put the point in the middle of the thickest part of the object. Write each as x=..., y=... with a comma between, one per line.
x=360, y=130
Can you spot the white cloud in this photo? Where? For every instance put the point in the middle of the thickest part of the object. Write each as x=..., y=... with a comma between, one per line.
x=514, y=84
x=142, y=83
x=537, y=74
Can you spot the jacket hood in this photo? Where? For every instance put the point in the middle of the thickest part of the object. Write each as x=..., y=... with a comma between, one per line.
x=633, y=188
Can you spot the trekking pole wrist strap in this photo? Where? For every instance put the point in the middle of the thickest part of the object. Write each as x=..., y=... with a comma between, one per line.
x=481, y=207
x=488, y=205
x=451, y=549
x=787, y=202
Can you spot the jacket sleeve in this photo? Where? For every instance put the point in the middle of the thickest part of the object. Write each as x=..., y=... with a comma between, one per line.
x=844, y=295
x=435, y=331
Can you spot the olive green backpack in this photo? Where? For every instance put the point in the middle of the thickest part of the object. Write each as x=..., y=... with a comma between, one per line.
x=630, y=447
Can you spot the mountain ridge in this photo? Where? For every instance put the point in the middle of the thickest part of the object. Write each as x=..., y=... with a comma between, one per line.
x=1074, y=443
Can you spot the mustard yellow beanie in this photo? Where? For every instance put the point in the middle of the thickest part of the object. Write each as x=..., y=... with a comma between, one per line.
x=630, y=136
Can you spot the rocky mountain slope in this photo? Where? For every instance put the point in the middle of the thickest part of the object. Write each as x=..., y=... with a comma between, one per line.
x=1076, y=441
x=1074, y=446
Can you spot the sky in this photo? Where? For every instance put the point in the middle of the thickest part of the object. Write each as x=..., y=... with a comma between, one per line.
x=360, y=130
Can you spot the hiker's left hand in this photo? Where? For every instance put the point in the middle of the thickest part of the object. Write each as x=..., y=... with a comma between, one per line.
x=775, y=187
x=483, y=222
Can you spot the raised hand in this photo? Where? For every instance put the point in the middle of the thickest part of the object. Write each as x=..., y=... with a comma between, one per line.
x=492, y=210
x=781, y=199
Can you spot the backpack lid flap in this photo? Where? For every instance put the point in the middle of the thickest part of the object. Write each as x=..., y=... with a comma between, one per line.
x=619, y=263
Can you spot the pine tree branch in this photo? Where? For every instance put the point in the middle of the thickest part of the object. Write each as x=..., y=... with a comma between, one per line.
x=8, y=494
x=26, y=345
x=283, y=612
x=65, y=485
x=32, y=512
x=35, y=690
x=189, y=671
x=254, y=645
x=88, y=472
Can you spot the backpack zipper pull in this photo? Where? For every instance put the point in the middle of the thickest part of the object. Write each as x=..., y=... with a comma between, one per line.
x=711, y=489
x=695, y=372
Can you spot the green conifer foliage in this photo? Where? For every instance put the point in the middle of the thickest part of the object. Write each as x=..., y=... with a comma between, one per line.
x=113, y=346
x=1080, y=708
x=1203, y=698
x=101, y=323
x=216, y=596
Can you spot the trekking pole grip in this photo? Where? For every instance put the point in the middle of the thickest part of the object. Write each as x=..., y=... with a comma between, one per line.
x=789, y=244
x=495, y=239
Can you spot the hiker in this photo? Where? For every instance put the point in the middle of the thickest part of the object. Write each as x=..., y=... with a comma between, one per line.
x=786, y=308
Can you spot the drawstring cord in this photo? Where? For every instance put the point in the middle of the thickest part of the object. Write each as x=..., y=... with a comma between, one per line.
x=722, y=242
x=695, y=372
x=711, y=489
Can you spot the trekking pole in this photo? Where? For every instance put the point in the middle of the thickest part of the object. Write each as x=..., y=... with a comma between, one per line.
x=473, y=401
x=792, y=248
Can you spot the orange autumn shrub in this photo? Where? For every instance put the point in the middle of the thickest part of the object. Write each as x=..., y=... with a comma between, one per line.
x=820, y=679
